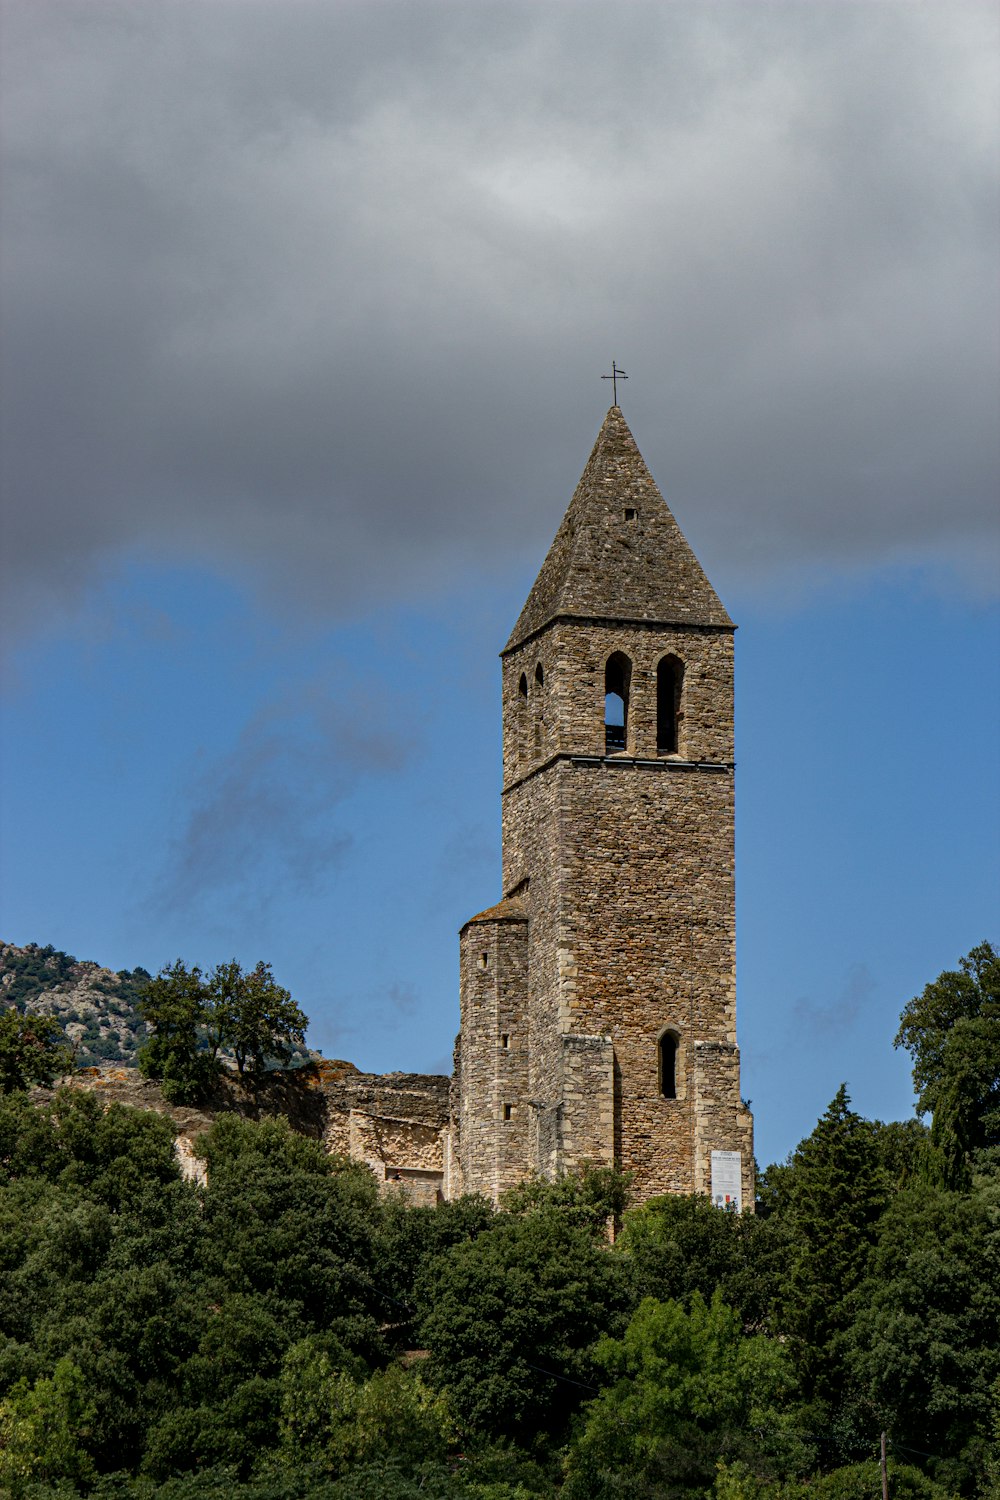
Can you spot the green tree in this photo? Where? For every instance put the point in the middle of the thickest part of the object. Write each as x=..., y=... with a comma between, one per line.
x=43, y=1429
x=510, y=1316
x=902, y=1150
x=232, y=1432
x=33, y=1049
x=687, y=1389
x=253, y=1016
x=194, y=1017
x=677, y=1245
x=594, y=1198
x=338, y=1419
x=736, y=1482
x=952, y=1033
x=114, y=1151
x=832, y=1195
x=925, y=1344
x=411, y=1236
x=285, y=1221
x=175, y=1007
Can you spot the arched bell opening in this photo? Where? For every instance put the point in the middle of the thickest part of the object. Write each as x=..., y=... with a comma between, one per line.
x=617, y=681
x=522, y=718
x=669, y=687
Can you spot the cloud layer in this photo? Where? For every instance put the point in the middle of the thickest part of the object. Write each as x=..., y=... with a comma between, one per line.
x=321, y=294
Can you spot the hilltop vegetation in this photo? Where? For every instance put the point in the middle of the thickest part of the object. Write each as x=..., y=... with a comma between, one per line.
x=96, y=1008
x=101, y=1012
x=283, y=1331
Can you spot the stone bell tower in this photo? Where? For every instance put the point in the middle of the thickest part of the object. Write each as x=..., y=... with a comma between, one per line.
x=599, y=996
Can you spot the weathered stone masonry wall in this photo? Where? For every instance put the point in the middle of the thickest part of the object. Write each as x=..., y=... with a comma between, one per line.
x=396, y=1123
x=494, y=1116
x=531, y=851
x=631, y=892
x=649, y=915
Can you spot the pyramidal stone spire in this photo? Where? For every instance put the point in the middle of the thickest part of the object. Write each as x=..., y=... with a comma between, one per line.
x=619, y=554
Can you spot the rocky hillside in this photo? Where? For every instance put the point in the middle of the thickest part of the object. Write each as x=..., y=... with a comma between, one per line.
x=97, y=1008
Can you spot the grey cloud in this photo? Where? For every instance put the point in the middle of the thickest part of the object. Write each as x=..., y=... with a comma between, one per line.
x=402, y=997
x=321, y=294
x=271, y=804
x=838, y=1016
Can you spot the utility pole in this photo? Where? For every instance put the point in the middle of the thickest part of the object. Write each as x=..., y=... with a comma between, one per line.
x=885, y=1473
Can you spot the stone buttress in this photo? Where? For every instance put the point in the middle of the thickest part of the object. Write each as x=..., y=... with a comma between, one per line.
x=598, y=1000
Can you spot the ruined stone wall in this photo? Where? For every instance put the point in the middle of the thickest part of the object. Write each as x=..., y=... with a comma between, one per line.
x=396, y=1123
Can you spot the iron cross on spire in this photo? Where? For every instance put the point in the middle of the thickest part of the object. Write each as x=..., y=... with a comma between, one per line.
x=616, y=375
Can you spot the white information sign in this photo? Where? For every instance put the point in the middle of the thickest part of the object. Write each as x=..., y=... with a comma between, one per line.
x=727, y=1180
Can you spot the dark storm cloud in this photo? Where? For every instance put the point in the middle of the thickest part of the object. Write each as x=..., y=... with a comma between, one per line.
x=321, y=293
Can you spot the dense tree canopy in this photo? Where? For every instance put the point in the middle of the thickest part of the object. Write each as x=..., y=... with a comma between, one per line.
x=283, y=1331
x=510, y=1318
x=687, y=1388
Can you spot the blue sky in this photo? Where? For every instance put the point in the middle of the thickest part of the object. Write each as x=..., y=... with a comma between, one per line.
x=300, y=378
x=189, y=777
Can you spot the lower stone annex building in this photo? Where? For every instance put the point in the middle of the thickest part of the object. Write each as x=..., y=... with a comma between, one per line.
x=598, y=998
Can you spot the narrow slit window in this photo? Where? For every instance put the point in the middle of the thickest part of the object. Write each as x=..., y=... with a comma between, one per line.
x=539, y=675
x=668, y=1065
x=484, y=960
x=617, y=678
x=669, y=683
x=508, y=1110
x=521, y=719
x=505, y=1039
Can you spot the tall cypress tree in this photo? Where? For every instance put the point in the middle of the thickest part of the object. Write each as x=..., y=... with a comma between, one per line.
x=835, y=1194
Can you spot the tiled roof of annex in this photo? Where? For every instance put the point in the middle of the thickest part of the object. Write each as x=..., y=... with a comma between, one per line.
x=508, y=910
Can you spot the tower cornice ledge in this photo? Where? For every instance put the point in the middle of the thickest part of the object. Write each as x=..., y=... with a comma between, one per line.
x=620, y=763
x=616, y=622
